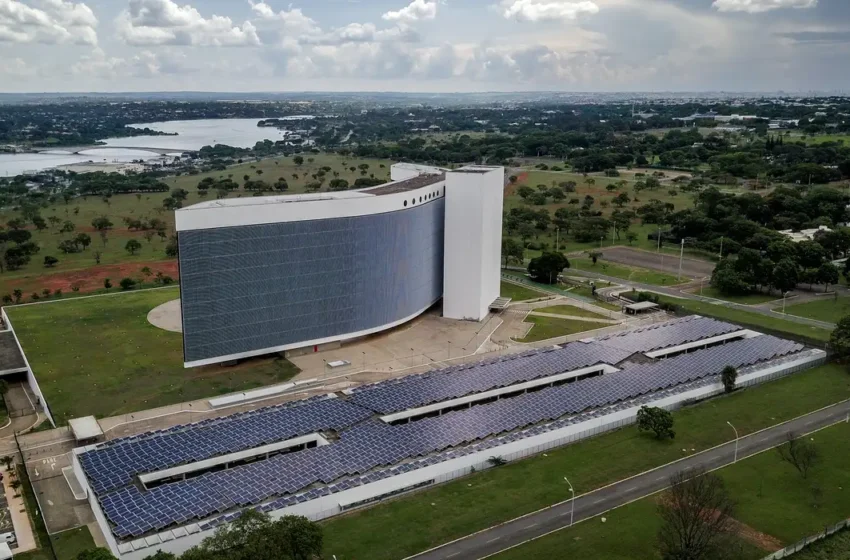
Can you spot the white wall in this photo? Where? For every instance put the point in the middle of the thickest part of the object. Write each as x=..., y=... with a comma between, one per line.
x=473, y=242
x=404, y=171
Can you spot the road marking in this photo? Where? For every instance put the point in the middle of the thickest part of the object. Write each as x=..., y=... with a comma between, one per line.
x=599, y=501
x=455, y=554
x=661, y=478
x=631, y=489
x=529, y=526
x=494, y=540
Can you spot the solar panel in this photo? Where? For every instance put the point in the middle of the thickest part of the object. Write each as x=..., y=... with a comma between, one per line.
x=369, y=449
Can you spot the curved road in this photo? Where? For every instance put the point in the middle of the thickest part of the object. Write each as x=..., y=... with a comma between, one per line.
x=497, y=539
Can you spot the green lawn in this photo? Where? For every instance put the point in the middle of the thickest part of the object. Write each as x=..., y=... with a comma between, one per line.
x=826, y=308
x=101, y=356
x=747, y=318
x=634, y=274
x=68, y=544
x=81, y=211
x=571, y=310
x=835, y=547
x=770, y=496
x=520, y=293
x=408, y=525
x=750, y=299
x=548, y=327
x=627, y=534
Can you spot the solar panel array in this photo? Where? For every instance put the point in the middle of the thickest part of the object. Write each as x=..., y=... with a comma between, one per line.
x=372, y=444
x=666, y=335
x=451, y=383
x=115, y=464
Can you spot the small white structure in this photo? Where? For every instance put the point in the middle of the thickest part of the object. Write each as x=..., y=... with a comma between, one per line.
x=5, y=551
x=805, y=234
x=86, y=429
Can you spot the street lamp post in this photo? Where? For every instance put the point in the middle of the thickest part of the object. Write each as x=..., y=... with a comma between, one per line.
x=681, y=258
x=721, y=246
x=784, y=295
x=735, y=460
x=572, y=501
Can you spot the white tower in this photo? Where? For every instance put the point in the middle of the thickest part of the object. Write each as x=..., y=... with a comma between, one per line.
x=473, y=245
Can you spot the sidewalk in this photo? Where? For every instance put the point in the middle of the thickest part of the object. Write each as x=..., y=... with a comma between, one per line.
x=20, y=519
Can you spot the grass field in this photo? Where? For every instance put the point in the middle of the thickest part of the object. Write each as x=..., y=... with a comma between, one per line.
x=771, y=497
x=572, y=311
x=402, y=527
x=750, y=299
x=627, y=534
x=747, y=318
x=548, y=327
x=100, y=356
x=827, y=308
x=642, y=275
x=81, y=211
x=519, y=293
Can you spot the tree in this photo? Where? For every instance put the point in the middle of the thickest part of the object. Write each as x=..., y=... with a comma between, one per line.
x=39, y=223
x=83, y=239
x=179, y=194
x=800, y=453
x=785, y=275
x=696, y=517
x=729, y=376
x=281, y=185
x=839, y=340
x=594, y=256
x=67, y=227
x=621, y=200
x=658, y=420
x=253, y=536
x=50, y=262
x=827, y=275
x=525, y=192
x=69, y=246
x=127, y=283
x=95, y=554
x=298, y=160
x=102, y=223
x=546, y=268
x=107, y=283
x=172, y=249
x=631, y=237
x=512, y=250
x=132, y=246
x=147, y=272
x=19, y=236
x=19, y=295
x=338, y=185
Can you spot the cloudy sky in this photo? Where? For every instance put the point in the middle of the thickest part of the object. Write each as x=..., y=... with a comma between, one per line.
x=424, y=45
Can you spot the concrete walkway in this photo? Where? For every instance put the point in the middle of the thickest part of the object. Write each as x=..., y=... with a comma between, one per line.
x=20, y=519
x=576, y=318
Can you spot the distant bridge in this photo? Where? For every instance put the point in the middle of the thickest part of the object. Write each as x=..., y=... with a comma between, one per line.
x=78, y=150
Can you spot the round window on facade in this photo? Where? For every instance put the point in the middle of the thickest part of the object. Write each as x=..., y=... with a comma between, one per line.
x=405, y=204
x=412, y=202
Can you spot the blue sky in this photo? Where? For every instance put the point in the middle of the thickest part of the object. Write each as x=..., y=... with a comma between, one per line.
x=424, y=45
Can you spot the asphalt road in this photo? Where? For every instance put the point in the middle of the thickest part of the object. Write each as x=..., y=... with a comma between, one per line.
x=499, y=538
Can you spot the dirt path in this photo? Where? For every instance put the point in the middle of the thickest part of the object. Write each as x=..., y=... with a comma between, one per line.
x=759, y=539
x=91, y=279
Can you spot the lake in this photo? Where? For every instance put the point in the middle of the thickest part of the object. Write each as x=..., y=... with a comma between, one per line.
x=191, y=135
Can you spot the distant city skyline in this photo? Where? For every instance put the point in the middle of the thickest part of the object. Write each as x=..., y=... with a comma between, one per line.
x=424, y=45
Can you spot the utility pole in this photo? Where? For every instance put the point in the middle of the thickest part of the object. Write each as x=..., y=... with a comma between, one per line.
x=735, y=460
x=572, y=501
x=681, y=258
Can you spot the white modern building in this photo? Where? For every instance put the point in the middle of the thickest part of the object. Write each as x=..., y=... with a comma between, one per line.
x=282, y=273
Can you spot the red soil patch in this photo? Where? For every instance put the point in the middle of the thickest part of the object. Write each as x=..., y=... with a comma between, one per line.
x=511, y=188
x=91, y=279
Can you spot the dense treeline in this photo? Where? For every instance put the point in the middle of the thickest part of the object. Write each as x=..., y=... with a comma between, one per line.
x=749, y=225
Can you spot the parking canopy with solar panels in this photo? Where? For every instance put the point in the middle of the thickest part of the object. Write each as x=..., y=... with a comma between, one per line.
x=282, y=456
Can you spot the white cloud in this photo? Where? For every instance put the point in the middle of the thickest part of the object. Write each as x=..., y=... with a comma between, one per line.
x=52, y=22
x=163, y=22
x=415, y=11
x=291, y=23
x=547, y=10
x=759, y=6
x=363, y=33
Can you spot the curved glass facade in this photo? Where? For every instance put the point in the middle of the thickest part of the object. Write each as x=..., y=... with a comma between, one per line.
x=247, y=289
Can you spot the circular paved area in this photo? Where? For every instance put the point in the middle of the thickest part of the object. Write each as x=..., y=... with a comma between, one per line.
x=167, y=316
